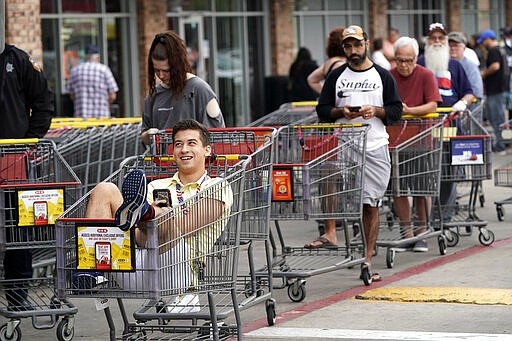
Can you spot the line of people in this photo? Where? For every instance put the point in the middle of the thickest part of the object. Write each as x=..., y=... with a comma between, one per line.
x=444, y=75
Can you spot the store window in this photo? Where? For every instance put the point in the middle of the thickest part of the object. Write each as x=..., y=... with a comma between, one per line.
x=65, y=34
x=227, y=49
x=412, y=17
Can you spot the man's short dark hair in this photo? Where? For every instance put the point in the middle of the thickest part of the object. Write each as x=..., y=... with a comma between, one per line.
x=193, y=125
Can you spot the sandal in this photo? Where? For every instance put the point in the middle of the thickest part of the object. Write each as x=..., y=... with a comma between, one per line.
x=371, y=277
x=321, y=242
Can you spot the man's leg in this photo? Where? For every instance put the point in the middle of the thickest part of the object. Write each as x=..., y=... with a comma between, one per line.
x=371, y=229
x=18, y=265
x=403, y=211
x=104, y=201
x=495, y=108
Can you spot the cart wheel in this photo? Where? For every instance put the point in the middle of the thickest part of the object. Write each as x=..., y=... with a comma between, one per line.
x=482, y=200
x=452, y=237
x=64, y=333
x=15, y=336
x=441, y=240
x=297, y=291
x=500, y=212
x=270, y=307
x=486, y=237
x=365, y=276
x=390, y=257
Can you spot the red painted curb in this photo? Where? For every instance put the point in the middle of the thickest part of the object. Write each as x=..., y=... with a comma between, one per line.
x=324, y=302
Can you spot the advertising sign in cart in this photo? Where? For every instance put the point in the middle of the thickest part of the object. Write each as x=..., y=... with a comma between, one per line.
x=40, y=206
x=467, y=151
x=104, y=247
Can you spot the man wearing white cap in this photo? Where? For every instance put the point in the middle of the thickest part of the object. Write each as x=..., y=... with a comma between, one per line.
x=455, y=89
x=496, y=83
x=362, y=92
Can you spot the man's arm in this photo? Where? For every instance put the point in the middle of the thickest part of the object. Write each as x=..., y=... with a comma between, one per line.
x=39, y=98
x=201, y=213
x=492, y=69
x=420, y=110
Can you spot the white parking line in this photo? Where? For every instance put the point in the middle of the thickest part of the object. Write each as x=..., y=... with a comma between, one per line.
x=273, y=333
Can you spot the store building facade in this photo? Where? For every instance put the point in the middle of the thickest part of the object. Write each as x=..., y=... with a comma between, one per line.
x=243, y=48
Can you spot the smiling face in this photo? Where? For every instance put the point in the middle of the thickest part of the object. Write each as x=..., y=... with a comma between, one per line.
x=189, y=152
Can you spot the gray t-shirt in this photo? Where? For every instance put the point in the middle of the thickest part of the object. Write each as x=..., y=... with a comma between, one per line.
x=162, y=110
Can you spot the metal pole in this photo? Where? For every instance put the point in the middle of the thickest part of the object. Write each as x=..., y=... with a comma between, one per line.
x=2, y=25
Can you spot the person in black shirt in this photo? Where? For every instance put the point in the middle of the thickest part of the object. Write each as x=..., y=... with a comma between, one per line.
x=299, y=72
x=27, y=107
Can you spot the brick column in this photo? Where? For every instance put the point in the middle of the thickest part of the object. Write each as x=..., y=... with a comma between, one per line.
x=151, y=20
x=23, y=27
x=453, y=14
x=281, y=36
x=378, y=17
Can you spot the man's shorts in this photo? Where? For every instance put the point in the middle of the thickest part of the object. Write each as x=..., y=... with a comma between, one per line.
x=376, y=175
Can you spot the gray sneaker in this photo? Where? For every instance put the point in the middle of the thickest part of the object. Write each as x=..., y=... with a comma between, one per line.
x=404, y=247
x=420, y=246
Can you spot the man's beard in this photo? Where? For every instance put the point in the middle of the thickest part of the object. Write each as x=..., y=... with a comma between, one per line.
x=358, y=61
x=437, y=58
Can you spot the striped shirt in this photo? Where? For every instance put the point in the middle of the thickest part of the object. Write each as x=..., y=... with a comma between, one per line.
x=91, y=83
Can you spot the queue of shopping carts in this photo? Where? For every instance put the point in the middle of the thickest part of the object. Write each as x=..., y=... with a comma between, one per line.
x=36, y=186
x=289, y=113
x=94, y=148
x=190, y=282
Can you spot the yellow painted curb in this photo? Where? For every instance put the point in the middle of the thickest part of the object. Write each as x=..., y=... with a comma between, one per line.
x=484, y=296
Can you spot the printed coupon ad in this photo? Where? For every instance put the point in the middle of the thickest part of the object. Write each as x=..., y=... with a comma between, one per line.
x=282, y=184
x=40, y=206
x=467, y=151
x=104, y=248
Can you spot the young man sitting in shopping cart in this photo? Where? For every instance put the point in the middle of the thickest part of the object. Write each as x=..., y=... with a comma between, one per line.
x=193, y=229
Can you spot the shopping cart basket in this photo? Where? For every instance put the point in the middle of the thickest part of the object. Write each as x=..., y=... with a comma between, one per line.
x=467, y=159
x=289, y=113
x=318, y=174
x=36, y=185
x=415, y=146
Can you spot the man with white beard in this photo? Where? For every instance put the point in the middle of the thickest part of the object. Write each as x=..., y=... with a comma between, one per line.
x=452, y=81
x=455, y=89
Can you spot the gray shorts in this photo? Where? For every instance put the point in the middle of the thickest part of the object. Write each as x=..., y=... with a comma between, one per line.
x=376, y=175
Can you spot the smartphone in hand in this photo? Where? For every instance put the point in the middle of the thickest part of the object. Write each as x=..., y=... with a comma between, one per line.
x=162, y=194
x=354, y=109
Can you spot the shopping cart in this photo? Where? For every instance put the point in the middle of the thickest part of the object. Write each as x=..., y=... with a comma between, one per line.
x=257, y=142
x=216, y=287
x=36, y=185
x=503, y=178
x=415, y=146
x=466, y=162
x=289, y=113
x=318, y=174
